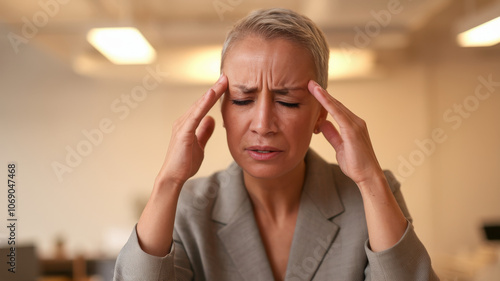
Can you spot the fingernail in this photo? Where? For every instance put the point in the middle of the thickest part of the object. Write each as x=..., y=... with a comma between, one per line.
x=315, y=84
x=318, y=86
x=220, y=77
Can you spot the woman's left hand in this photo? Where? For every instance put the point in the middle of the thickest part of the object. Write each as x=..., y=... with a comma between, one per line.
x=355, y=154
x=385, y=221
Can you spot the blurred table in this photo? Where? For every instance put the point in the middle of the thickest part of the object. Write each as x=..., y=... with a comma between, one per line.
x=78, y=269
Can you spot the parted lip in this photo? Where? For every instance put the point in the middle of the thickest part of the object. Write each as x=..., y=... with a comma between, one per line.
x=263, y=148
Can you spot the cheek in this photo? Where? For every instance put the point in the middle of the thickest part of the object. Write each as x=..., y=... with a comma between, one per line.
x=233, y=120
x=299, y=128
x=304, y=121
x=225, y=109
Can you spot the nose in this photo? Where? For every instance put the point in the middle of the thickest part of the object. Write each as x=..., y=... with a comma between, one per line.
x=264, y=117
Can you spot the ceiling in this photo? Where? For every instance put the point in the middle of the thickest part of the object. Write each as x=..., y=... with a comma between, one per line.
x=60, y=26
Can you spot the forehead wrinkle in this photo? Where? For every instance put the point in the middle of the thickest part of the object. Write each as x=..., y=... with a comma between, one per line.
x=283, y=77
x=249, y=81
x=276, y=74
x=288, y=89
x=267, y=67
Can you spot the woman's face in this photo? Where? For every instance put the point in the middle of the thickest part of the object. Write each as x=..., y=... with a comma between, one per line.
x=268, y=112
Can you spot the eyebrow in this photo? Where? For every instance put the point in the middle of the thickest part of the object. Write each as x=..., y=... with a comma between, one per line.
x=245, y=89
x=280, y=91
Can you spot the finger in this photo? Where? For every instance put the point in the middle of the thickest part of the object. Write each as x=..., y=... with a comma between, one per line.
x=196, y=113
x=205, y=130
x=208, y=100
x=339, y=112
x=331, y=134
x=220, y=86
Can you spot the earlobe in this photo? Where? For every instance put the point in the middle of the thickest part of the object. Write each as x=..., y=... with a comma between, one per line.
x=316, y=127
x=321, y=118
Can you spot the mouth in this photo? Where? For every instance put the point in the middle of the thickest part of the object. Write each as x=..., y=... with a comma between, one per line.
x=263, y=149
x=262, y=153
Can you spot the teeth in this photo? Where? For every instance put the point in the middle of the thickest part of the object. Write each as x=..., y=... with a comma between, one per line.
x=263, y=151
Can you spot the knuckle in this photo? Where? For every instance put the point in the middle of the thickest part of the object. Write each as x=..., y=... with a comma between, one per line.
x=359, y=126
x=178, y=124
x=362, y=123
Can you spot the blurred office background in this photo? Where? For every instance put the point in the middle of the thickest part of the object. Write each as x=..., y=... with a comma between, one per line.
x=88, y=135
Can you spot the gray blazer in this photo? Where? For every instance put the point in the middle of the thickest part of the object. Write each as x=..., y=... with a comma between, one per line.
x=216, y=236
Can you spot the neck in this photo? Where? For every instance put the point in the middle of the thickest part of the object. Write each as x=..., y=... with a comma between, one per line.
x=276, y=198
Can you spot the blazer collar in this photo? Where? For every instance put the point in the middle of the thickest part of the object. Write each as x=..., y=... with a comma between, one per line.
x=240, y=235
x=314, y=231
x=320, y=186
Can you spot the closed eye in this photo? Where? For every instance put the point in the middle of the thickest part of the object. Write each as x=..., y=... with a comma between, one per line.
x=241, y=102
x=291, y=105
x=247, y=102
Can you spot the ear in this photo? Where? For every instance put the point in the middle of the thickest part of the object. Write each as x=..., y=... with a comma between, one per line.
x=321, y=118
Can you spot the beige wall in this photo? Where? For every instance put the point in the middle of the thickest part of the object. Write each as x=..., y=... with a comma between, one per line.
x=44, y=107
x=466, y=181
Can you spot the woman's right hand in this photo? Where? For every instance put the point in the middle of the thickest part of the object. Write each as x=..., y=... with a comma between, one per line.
x=190, y=134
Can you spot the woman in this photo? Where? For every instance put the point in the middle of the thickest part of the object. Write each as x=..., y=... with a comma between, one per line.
x=280, y=212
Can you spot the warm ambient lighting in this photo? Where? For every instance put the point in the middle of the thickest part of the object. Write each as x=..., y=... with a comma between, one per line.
x=122, y=45
x=349, y=64
x=201, y=65
x=486, y=34
x=480, y=28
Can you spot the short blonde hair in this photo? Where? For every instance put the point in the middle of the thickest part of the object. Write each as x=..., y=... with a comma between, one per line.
x=286, y=24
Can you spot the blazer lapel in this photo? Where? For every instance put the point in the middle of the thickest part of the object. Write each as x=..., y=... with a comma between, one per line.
x=240, y=235
x=314, y=231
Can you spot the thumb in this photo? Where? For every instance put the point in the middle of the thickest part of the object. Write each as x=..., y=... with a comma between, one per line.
x=205, y=130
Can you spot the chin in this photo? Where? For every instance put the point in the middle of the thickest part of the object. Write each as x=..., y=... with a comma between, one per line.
x=267, y=170
x=264, y=172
